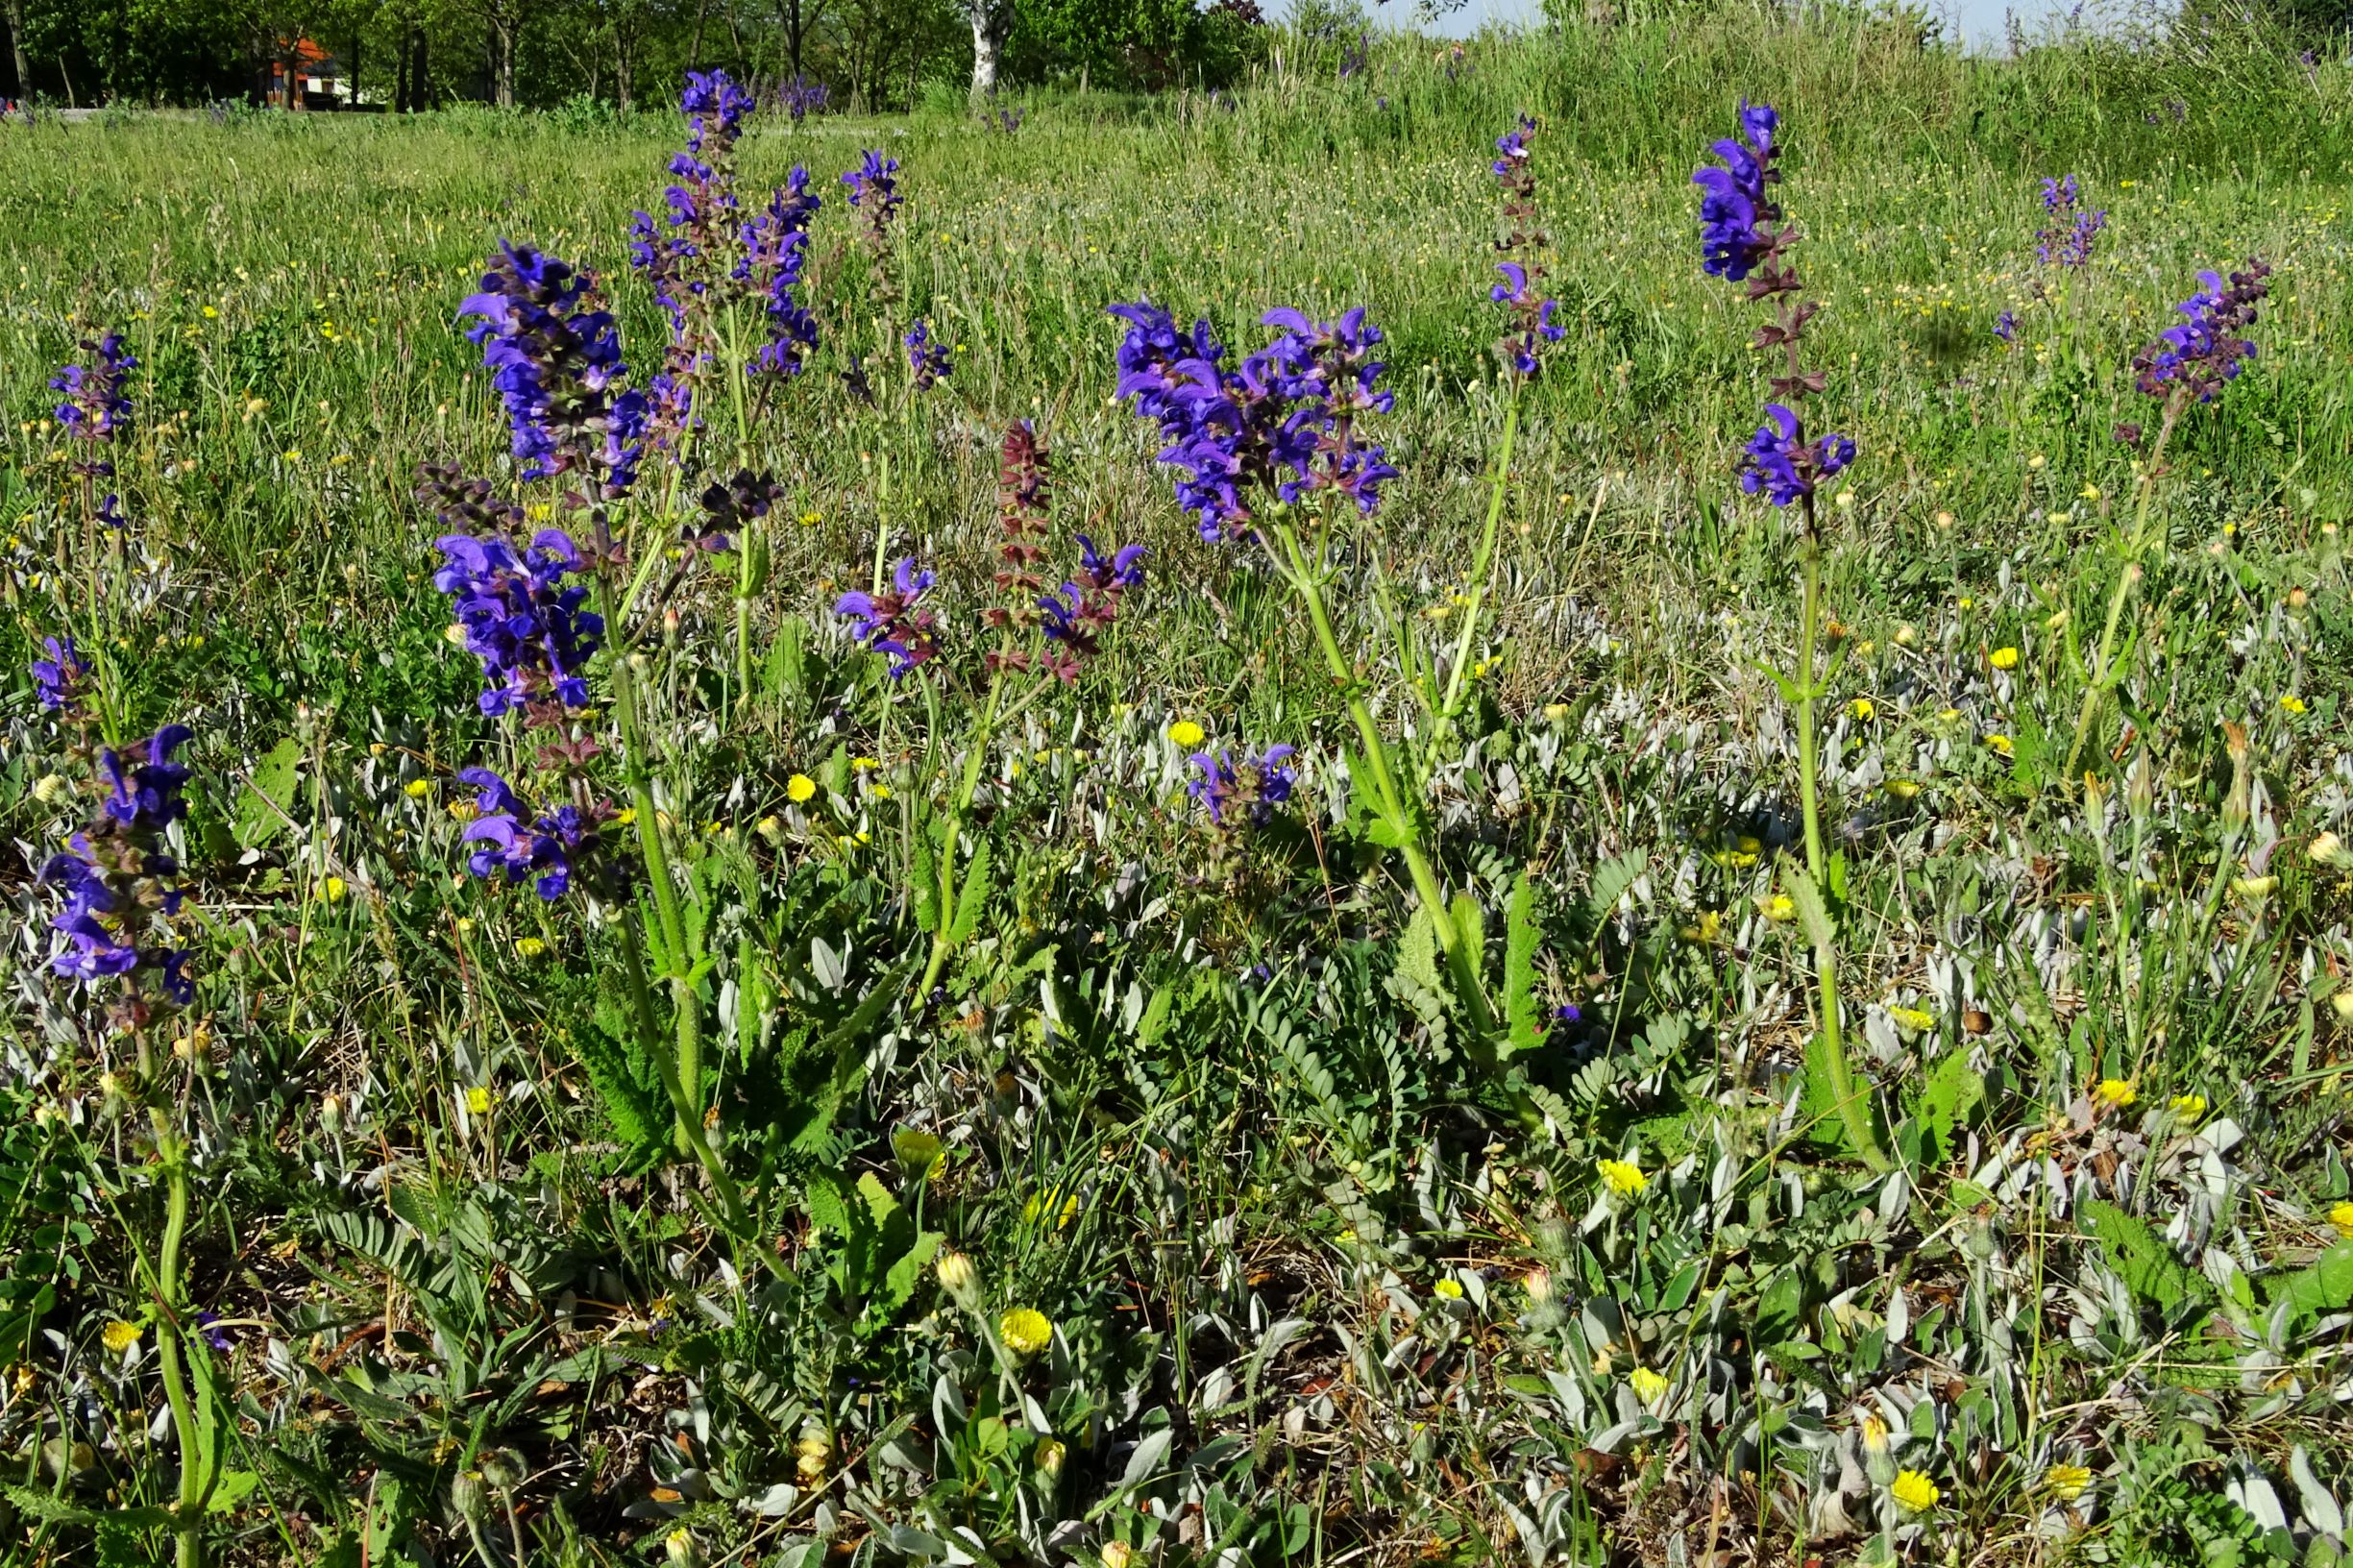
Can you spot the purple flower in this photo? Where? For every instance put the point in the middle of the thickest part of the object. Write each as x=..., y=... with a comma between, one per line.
x=118, y=874
x=57, y=680
x=2006, y=326
x=800, y=97
x=96, y=407
x=1780, y=464
x=1735, y=213
x=560, y=844
x=1513, y=146
x=554, y=355
x=715, y=109
x=2207, y=350
x=1283, y=422
x=208, y=1325
x=520, y=618
x=874, y=190
x=891, y=622
x=776, y=248
x=930, y=360
x=1532, y=317
x=1235, y=795
x=2067, y=240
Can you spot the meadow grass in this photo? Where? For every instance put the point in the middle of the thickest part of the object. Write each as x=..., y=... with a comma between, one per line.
x=1317, y=1291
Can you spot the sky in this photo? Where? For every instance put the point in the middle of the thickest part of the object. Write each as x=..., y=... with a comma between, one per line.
x=1979, y=21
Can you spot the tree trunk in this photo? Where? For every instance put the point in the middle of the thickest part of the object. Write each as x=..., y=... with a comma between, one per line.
x=694, y=51
x=505, y=36
x=17, y=47
x=350, y=82
x=622, y=62
x=992, y=20
x=420, y=85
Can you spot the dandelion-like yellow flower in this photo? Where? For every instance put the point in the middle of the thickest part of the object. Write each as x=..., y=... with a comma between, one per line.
x=1117, y=1555
x=1781, y=907
x=529, y=946
x=1875, y=1432
x=118, y=1336
x=1862, y=708
x=2001, y=744
x=1903, y=789
x=2292, y=702
x=1623, y=1177
x=800, y=789
x=1913, y=1491
x=1647, y=1385
x=477, y=1101
x=1705, y=928
x=2187, y=1106
x=2115, y=1092
x=2342, y=1216
x=1912, y=1019
x=1447, y=1290
x=2005, y=658
x=1026, y=1331
x=2066, y=1481
x=1185, y=732
x=417, y=788
x=1061, y=1210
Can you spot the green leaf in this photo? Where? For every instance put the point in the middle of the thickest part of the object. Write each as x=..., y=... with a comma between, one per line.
x=2327, y=1285
x=1812, y=913
x=828, y=1205
x=1611, y=880
x=879, y=1202
x=899, y=1284
x=1419, y=955
x=2142, y=1258
x=971, y=898
x=639, y=1118
x=1951, y=1092
x=266, y=803
x=925, y=874
x=1521, y=1015
x=231, y=1488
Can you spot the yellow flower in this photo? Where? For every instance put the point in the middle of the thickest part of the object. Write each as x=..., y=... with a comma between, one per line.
x=1647, y=1385
x=1903, y=789
x=477, y=1101
x=956, y=1273
x=529, y=946
x=1026, y=1331
x=2189, y=1107
x=1913, y=1491
x=862, y=765
x=2254, y=887
x=1704, y=929
x=2292, y=702
x=2001, y=744
x=1862, y=709
x=332, y=890
x=809, y=520
x=120, y=1335
x=2066, y=1481
x=1556, y=711
x=1450, y=1290
x=1912, y=1019
x=1185, y=732
x=417, y=788
x=1781, y=907
x=1050, y=1203
x=800, y=789
x=1623, y=1177
x=2005, y=658
x=464, y=811
x=1875, y=1432
x=1117, y=1555
x=2118, y=1092
x=2342, y=1216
